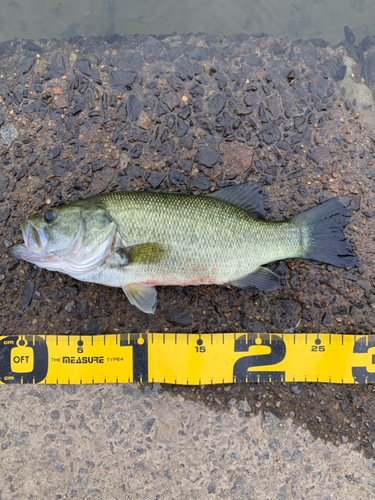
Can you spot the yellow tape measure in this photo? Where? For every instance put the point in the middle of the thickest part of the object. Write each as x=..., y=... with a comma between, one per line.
x=188, y=359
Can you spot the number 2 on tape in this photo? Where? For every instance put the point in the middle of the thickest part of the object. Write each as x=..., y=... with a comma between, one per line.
x=276, y=350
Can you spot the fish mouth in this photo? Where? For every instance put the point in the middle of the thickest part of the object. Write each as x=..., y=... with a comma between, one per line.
x=35, y=242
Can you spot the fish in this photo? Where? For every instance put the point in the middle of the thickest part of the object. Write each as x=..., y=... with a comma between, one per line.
x=138, y=240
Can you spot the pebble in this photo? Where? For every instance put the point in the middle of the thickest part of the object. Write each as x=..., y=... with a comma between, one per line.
x=178, y=317
x=297, y=388
x=201, y=182
x=92, y=328
x=270, y=134
x=231, y=402
x=27, y=295
x=155, y=179
x=320, y=154
x=207, y=157
x=8, y=134
x=54, y=153
x=134, y=108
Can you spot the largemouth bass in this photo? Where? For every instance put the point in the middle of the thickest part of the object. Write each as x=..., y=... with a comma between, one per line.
x=136, y=240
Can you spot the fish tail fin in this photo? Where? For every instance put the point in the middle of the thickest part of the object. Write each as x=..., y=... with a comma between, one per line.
x=322, y=234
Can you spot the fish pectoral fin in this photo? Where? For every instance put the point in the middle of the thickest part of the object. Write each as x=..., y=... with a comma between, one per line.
x=141, y=254
x=261, y=279
x=141, y=296
x=245, y=196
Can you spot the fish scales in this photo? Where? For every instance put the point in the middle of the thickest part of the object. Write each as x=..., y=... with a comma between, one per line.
x=206, y=240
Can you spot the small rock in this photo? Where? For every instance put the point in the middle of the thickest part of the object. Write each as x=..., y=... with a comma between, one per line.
x=4, y=182
x=171, y=100
x=231, y=402
x=55, y=415
x=144, y=120
x=8, y=134
x=273, y=443
x=112, y=429
x=320, y=154
x=258, y=327
x=289, y=306
x=355, y=204
x=92, y=328
x=244, y=406
x=134, y=108
x=207, y=157
x=166, y=149
x=296, y=388
x=96, y=165
x=350, y=276
x=281, y=495
x=148, y=425
x=122, y=80
x=340, y=73
x=327, y=319
x=83, y=310
x=178, y=317
x=296, y=456
x=201, y=182
x=182, y=128
x=175, y=177
x=270, y=133
x=271, y=418
x=211, y=488
x=197, y=53
x=155, y=179
x=27, y=295
x=70, y=306
x=54, y=153
x=349, y=35
x=96, y=407
x=186, y=166
x=238, y=485
x=21, y=438
x=216, y=104
x=57, y=68
x=298, y=121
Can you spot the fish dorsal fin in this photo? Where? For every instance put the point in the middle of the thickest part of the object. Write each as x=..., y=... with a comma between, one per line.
x=245, y=196
x=144, y=253
x=142, y=296
x=261, y=279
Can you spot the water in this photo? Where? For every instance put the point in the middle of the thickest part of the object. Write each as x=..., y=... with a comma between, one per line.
x=282, y=18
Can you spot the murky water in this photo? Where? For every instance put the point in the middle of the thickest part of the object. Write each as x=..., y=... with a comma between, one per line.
x=283, y=18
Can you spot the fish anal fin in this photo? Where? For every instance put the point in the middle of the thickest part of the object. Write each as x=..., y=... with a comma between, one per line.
x=244, y=196
x=142, y=296
x=261, y=279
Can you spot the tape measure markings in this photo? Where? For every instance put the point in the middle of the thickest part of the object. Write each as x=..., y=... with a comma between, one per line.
x=192, y=359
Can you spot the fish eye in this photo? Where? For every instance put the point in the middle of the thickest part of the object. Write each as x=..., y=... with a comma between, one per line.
x=50, y=215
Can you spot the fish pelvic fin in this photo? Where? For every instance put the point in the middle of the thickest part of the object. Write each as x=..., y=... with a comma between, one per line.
x=142, y=296
x=141, y=254
x=261, y=279
x=322, y=234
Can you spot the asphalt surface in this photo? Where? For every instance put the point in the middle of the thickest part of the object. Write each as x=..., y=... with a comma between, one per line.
x=189, y=113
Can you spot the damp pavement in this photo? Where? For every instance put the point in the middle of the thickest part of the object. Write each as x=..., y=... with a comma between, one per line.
x=128, y=442
x=189, y=113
